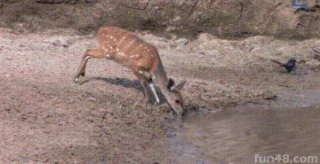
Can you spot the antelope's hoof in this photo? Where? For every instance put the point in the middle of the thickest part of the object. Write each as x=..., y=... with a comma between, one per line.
x=76, y=80
x=147, y=101
x=157, y=103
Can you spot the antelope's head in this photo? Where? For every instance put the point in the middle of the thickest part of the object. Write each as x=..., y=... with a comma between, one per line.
x=174, y=98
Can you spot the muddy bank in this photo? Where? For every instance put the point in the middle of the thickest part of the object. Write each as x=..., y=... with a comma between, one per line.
x=47, y=118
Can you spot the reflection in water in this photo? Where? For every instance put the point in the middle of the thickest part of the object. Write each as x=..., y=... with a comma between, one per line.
x=237, y=135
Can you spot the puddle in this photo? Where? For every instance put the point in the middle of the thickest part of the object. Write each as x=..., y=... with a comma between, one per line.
x=238, y=135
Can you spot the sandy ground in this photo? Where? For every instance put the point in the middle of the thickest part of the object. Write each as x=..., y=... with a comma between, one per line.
x=46, y=118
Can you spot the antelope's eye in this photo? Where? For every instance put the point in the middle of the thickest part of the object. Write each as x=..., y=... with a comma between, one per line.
x=178, y=101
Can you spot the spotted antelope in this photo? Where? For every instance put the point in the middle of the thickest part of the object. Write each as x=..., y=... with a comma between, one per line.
x=142, y=58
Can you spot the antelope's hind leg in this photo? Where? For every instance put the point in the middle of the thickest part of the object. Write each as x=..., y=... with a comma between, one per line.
x=90, y=53
x=82, y=67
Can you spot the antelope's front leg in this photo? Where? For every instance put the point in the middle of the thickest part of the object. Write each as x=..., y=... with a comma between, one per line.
x=145, y=90
x=145, y=82
x=149, y=82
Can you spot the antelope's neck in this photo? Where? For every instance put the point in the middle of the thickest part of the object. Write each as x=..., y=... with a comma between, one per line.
x=161, y=79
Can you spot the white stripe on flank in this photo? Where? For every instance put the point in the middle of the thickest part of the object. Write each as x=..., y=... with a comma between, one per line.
x=128, y=45
x=122, y=39
x=140, y=45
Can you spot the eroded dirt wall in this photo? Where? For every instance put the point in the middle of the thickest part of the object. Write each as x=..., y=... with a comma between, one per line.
x=186, y=17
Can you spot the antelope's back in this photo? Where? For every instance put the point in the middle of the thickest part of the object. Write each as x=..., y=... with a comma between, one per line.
x=126, y=48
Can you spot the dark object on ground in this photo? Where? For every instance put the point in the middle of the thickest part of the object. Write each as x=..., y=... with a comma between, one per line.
x=290, y=65
x=316, y=56
x=149, y=24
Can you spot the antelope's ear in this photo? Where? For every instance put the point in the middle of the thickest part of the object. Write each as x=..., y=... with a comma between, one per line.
x=170, y=85
x=180, y=85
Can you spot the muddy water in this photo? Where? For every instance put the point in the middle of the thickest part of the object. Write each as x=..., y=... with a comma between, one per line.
x=247, y=135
